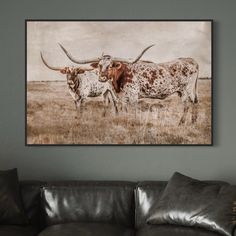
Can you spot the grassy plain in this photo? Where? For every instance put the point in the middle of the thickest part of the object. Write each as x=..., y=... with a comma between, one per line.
x=53, y=119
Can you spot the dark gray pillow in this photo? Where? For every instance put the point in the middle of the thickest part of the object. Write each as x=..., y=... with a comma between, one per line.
x=11, y=206
x=189, y=202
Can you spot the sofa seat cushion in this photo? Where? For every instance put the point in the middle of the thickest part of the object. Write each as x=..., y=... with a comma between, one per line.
x=9, y=230
x=171, y=230
x=87, y=229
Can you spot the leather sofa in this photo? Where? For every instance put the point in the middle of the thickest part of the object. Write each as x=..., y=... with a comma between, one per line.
x=93, y=208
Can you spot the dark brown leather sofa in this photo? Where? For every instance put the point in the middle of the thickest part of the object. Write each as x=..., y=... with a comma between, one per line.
x=93, y=208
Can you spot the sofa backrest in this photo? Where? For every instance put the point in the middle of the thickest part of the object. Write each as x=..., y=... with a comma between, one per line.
x=88, y=201
x=30, y=192
x=124, y=203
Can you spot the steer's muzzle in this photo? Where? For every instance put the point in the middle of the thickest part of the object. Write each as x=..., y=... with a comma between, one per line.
x=102, y=78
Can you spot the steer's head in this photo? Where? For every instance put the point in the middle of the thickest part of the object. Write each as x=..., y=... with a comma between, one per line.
x=103, y=66
x=108, y=67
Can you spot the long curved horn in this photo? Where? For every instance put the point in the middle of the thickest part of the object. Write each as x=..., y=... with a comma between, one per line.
x=79, y=61
x=46, y=64
x=141, y=54
x=137, y=58
x=122, y=59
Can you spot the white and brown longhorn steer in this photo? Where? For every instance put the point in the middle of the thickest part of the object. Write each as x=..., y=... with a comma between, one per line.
x=83, y=83
x=139, y=79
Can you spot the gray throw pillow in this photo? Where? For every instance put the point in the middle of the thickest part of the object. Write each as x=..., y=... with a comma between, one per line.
x=11, y=206
x=189, y=202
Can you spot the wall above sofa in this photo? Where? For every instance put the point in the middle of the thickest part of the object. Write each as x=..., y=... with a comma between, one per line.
x=124, y=163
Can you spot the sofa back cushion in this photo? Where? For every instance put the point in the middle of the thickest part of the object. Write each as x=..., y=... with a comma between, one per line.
x=146, y=195
x=88, y=201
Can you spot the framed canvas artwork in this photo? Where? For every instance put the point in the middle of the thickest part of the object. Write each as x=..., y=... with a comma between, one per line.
x=119, y=82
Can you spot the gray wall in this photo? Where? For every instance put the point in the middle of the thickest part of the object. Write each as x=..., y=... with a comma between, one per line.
x=130, y=163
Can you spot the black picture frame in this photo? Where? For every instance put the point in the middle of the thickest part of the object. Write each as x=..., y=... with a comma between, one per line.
x=211, y=21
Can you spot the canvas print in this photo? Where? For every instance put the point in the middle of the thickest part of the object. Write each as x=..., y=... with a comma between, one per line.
x=119, y=82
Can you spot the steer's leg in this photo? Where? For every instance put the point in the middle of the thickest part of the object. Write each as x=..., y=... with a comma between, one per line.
x=124, y=104
x=106, y=100
x=126, y=107
x=75, y=102
x=186, y=108
x=80, y=106
x=195, y=103
x=114, y=100
x=77, y=107
x=195, y=107
x=193, y=96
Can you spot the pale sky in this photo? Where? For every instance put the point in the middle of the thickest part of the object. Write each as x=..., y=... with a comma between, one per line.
x=119, y=39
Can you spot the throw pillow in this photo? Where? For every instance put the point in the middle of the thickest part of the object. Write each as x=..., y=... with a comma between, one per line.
x=11, y=206
x=190, y=202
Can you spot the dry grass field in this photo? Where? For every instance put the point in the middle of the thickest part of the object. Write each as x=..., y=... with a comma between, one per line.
x=53, y=119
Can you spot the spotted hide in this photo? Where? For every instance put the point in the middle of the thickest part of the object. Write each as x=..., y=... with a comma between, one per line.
x=133, y=80
x=86, y=85
x=83, y=84
x=157, y=81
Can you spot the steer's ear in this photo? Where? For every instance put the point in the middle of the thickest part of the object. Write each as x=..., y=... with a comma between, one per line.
x=65, y=70
x=80, y=71
x=117, y=65
x=94, y=64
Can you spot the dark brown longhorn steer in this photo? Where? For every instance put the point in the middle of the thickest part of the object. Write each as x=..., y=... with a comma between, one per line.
x=138, y=79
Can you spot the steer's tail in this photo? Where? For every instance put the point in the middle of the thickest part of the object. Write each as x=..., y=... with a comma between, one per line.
x=196, y=91
x=196, y=88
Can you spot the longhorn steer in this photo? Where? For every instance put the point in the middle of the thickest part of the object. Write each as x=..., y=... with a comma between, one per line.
x=83, y=83
x=137, y=79
x=157, y=81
